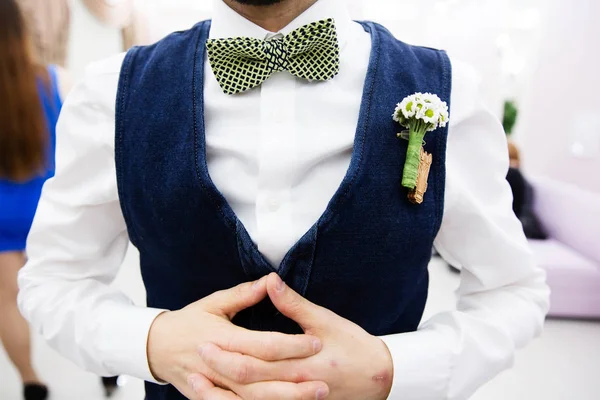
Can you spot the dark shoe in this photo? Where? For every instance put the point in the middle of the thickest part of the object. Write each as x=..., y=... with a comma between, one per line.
x=34, y=391
x=110, y=385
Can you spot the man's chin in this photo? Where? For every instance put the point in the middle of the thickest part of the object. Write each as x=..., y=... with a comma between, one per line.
x=258, y=2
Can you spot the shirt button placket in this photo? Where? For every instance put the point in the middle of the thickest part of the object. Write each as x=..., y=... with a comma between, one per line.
x=277, y=164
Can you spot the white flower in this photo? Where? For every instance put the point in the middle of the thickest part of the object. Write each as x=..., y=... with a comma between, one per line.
x=419, y=108
x=408, y=107
x=444, y=117
x=397, y=112
x=426, y=107
x=431, y=115
x=431, y=98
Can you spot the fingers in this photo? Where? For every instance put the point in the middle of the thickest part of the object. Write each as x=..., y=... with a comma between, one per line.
x=204, y=389
x=230, y=302
x=286, y=391
x=292, y=305
x=271, y=346
x=219, y=394
x=199, y=383
x=243, y=369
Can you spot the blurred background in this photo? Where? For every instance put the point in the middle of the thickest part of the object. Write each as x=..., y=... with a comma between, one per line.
x=539, y=61
x=541, y=54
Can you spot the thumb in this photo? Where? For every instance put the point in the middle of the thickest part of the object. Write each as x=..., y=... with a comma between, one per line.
x=306, y=314
x=228, y=303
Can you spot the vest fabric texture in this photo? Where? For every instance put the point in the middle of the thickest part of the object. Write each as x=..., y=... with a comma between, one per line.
x=365, y=258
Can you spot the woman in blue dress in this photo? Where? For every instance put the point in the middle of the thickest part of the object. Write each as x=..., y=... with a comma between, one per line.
x=29, y=106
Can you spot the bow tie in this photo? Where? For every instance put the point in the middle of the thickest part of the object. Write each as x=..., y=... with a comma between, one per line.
x=310, y=52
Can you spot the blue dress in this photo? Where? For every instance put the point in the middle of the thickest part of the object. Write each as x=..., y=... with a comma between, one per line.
x=19, y=201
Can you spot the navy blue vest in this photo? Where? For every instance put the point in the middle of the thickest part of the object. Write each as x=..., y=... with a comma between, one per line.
x=365, y=258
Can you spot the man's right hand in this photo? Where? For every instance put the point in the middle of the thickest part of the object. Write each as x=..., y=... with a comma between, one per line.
x=176, y=336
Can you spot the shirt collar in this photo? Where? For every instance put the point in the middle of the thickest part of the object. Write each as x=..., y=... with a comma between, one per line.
x=226, y=23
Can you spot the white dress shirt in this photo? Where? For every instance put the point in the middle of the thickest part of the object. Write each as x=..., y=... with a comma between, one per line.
x=278, y=153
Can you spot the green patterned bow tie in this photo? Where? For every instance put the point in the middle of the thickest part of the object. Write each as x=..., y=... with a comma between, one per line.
x=310, y=52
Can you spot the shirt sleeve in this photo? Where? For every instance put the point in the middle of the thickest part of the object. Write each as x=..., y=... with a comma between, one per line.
x=78, y=241
x=502, y=297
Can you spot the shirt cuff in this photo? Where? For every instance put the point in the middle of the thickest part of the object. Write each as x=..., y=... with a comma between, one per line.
x=129, y=340
x=422, y=364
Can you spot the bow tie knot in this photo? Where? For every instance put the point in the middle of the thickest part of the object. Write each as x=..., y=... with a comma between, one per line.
x=310, y=52
x=277, y=54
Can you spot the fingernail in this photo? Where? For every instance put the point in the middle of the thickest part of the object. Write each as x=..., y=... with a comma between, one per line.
x=201, y=350
x=321, y=394
x=317, y=346
x=280, y=284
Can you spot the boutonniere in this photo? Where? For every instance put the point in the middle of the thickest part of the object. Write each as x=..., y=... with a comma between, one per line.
x=419, y=113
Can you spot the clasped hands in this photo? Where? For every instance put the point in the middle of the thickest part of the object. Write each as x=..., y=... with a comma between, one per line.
x=206, y=357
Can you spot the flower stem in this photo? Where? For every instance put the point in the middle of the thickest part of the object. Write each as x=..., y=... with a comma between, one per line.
x=413, y=154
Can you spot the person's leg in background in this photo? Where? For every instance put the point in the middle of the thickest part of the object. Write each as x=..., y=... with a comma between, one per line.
x=110, y=385
x=14, y=330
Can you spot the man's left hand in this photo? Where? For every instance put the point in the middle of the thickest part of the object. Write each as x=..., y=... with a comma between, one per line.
x=353, y=363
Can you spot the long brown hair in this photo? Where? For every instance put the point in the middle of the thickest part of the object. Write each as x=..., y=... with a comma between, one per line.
x=23, y=130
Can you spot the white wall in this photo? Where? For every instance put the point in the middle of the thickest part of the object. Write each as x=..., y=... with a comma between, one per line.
x=90, y=40
x=559, y=129
x=467, y=29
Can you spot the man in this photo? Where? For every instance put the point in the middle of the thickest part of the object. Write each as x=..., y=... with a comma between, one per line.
x=229, y=170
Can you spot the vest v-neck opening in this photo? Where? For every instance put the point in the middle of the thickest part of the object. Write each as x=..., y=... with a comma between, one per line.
x=229, y=216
